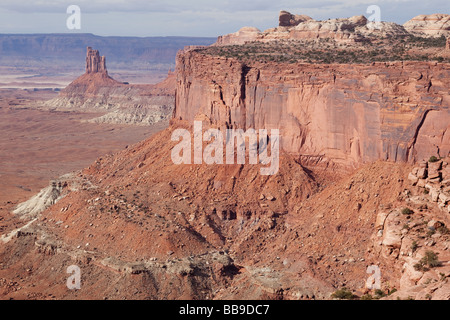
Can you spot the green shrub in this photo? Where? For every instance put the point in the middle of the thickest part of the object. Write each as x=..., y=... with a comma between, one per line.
x=430, y=232
x=392, y=291
x=443, y=230
x=414, y=246
x=430, y=260
x=343, y=294
x=420, y=267
x=433, y=159
x=407, y=211
x=379, y=294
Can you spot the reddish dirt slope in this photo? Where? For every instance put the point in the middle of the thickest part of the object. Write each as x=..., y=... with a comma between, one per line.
x=141, y=227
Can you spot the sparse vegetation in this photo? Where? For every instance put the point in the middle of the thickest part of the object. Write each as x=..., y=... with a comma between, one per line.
x=328, y=51
x=407, y=211
x=414, y=246
x=343, y=294
x=433, y=159
x=392, y=291
x=430, y=260
x=380, y=294
x=443, y=230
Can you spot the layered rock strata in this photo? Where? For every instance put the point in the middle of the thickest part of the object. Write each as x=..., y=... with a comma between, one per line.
x=346, y=30
x=350, y=114
x=434, y=25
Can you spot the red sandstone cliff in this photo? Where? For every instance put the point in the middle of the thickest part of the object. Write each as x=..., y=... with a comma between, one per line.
x=349, y=114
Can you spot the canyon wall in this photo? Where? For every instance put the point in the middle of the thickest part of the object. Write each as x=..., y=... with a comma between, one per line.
x=347, y=114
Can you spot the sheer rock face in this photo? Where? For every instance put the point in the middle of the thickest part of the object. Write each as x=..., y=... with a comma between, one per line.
x=95, y=63
x=349, y=114
x=434, y=25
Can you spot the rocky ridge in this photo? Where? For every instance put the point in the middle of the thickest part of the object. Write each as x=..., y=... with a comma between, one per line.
x=354, y=29
x=434, y=25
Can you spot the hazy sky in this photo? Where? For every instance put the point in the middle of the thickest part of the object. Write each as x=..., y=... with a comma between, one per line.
x=191, y=17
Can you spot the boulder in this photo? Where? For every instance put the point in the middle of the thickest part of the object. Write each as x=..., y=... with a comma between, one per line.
x=392, y=235
x=435, y=181
x=423, y=164
x=413, y=179
x=381, y=218
x=434, y=193
x=446, y=173
x=435, y=166
x=358, y=20
x=410, y=276
x=444, y=198
x=422, y=173
x=421, y=183
x=287, y=19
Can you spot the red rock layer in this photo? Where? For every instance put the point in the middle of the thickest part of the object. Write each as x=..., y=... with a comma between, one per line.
x=349, y=114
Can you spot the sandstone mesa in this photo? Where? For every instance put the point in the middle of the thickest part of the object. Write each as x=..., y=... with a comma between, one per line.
x=354, y=29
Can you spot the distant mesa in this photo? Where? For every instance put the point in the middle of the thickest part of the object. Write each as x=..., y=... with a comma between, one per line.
x=353, y=29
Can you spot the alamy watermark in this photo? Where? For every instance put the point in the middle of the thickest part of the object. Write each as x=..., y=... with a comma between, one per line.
x=258, y=145
x=374, y=281
x=73, y=22
x=374, y=20
x=74, y=281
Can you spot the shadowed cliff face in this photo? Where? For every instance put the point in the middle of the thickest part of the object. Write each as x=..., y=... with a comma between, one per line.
x=347, y=114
